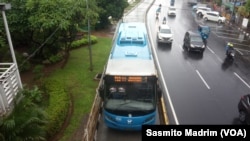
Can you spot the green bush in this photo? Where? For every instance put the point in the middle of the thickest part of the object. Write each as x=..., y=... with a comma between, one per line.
x=84, y=41
x=56, y=58
x=38, y=71
x=35, y=94
x=57, y=107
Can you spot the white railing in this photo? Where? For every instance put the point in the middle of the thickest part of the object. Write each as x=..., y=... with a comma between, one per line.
x=9, y=86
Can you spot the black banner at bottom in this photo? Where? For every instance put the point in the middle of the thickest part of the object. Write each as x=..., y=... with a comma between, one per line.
x=196, y=132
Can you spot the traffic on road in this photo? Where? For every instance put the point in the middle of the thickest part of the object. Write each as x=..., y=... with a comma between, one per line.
x=201, y=89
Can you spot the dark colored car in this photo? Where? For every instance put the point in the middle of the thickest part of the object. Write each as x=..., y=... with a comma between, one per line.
x=192, y=2
x=172, y=2
x=244, y=109
x=193, y=42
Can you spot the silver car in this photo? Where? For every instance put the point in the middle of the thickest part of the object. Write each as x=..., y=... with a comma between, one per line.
x=165, y=34
x=171, y=11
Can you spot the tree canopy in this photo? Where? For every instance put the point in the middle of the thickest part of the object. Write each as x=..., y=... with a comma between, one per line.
x=43, y=28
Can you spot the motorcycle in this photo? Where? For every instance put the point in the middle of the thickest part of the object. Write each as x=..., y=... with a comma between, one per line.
x=230, y=54
x=157, y=15
x=158, y=11
x=164, y=21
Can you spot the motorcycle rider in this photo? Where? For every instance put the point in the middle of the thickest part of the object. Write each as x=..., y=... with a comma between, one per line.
x=157, y=15
x=229, y=48
x=158, y=11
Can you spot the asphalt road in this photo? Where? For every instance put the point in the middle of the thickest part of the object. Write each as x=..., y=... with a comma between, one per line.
x=200, y=89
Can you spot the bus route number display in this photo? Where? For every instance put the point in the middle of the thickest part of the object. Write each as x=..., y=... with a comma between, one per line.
x=134, y=79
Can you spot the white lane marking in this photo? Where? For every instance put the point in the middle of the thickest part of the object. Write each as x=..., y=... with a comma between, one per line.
x=215, y=54
x=242, y=80
x=202, y=79
x=210, y=50
x=163, y=80
x=239, y=51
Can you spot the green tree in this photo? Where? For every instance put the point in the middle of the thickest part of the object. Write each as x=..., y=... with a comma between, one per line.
x=46, y=27
x=218, y=2
x=247, y=6
x=110, y=8
x=4, y=51
x=242, y=11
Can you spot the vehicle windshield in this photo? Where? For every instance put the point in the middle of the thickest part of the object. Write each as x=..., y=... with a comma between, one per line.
x=165, y=31
x=196, y=39
x=136, y=98
x=172, y=8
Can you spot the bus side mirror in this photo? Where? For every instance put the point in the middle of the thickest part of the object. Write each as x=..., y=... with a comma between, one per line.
x=101, y=92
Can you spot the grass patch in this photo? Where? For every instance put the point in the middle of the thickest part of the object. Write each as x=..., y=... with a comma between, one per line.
x=79, y=81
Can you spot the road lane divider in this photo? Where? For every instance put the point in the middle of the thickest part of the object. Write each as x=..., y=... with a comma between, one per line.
x=241, y=79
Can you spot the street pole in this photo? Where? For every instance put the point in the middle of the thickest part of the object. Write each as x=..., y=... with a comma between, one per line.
x=233, y=10
x=89, y=40
x=4, y=7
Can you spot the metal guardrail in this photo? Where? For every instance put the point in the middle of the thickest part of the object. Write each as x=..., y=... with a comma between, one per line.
x=90, y=130
x=93, y=120
x=9, y=86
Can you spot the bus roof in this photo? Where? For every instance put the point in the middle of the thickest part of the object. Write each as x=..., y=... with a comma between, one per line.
x=131, y=42
x=131, y=52
x=131, y=67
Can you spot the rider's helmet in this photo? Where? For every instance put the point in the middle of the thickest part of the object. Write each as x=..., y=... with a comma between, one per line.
x=230, y=44
x=160, y=5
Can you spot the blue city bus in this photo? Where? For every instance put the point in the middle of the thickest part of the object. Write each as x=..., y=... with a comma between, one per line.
x=129, y=85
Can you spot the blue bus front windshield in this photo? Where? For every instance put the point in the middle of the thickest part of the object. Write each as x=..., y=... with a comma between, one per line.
x=137, y=99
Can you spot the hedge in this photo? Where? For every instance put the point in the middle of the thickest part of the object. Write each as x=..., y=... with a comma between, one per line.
x=57, y=107
x=83, y=41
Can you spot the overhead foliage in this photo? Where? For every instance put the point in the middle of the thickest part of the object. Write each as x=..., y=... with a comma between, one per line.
x=109, y=8
x=242, y=11
x=44, y=27
x=247, y=6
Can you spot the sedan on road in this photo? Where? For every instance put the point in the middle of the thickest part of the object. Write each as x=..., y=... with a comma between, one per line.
x=193, y=42
x=202, y=11
x=165, y=34
x=171, y=11
x=214, y=16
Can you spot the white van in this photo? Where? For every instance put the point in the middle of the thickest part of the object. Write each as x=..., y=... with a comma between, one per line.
x=192, y=2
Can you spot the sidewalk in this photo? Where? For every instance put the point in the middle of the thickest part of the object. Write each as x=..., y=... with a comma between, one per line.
x=239, y=27
x=237, y=24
